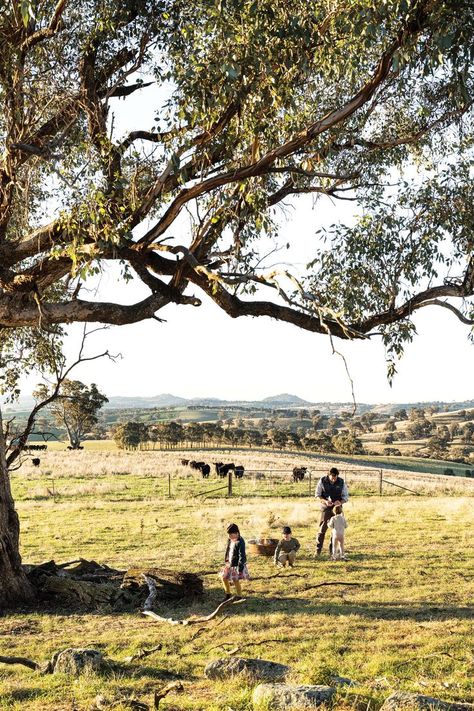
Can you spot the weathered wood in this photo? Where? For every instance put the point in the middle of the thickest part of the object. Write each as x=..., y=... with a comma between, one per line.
x=192, y=620
x=90, y=585
x=170, y=584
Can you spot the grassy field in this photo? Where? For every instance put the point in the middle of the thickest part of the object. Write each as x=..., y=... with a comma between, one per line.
x=412, y=464
x=406, y=625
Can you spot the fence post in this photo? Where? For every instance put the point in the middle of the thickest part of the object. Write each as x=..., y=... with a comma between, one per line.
x=229, y=482
x=310, y=482
x=169, y=484
x=380, y=482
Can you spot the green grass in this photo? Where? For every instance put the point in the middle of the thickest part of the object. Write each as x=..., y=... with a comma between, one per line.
x=414, y=464
x=407, y=625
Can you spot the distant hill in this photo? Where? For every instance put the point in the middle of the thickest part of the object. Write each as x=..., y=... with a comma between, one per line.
x=287, y=400
x=136, y=401
x=273, y=402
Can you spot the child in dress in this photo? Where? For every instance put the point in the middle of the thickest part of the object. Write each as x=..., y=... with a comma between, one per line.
x=338, y=524
x=235, y=563
x=286, y=550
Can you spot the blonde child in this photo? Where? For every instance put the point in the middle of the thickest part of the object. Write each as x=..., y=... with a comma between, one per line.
x=235, y=563
x=338, y=524
x=286, y=550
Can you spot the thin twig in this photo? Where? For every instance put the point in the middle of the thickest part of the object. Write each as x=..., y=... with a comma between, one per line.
x=142, y=653
x=206, y=629
x=321, y=585
x=234, y=650
x=277, y=575
x=430, y=656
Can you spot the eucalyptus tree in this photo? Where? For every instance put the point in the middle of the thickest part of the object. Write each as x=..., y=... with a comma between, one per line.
x=256, y=103
x=76, y=409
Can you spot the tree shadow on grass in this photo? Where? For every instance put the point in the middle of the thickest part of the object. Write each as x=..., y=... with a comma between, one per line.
x=22, y=695
x=420, y=612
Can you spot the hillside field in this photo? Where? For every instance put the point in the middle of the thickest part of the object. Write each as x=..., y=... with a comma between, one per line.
x=407, y=624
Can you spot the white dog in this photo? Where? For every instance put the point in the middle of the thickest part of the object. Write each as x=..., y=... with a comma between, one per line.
x=338, y=524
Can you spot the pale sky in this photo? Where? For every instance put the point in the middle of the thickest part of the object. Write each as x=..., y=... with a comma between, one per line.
x=203, y=352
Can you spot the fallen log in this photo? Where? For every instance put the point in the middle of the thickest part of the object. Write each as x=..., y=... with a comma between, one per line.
x=87, y=584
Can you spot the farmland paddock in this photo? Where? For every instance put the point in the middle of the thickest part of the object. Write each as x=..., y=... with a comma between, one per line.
x=107, y=476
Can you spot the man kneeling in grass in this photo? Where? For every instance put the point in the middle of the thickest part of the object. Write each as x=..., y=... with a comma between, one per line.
x=331, y=491
x=286, y=550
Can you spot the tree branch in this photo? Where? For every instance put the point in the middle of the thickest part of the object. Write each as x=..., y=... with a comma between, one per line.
x=333, y=118
x=46, y=32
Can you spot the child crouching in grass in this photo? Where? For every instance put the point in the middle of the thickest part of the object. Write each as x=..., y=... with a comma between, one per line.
x=286, y=550
x=235, y=563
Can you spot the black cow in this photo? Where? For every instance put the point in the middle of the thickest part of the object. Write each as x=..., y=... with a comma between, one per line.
x=299, y=473
x=218, y=466
x=239, y=472
x=36, y=461
x=224, y=469
x=185, y=462
x=205, y=471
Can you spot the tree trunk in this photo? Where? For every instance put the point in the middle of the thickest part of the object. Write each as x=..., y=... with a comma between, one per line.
x=15, y=587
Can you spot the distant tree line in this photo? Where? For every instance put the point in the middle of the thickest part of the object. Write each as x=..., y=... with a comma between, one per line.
x=169, y=435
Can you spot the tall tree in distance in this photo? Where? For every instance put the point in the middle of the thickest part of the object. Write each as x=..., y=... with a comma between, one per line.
x=76, y=408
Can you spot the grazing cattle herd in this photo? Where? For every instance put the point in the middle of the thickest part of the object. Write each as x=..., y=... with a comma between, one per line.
x=222, y=470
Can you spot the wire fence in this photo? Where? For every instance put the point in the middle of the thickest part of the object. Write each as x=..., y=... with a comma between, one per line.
x=183, y=482
x=280, y=482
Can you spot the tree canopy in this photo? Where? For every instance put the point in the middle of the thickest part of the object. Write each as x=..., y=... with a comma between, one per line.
x=256, y=103
x=76, y=407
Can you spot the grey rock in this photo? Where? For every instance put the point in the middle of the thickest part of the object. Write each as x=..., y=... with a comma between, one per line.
x=228, y=667
x=280, y=697
x=77, y=661
x=341, y=681
x=403, y=701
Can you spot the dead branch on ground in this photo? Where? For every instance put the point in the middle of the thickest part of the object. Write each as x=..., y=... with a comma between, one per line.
x=142, y=653
x=334, y=582
x=277, y=575
x=201, y=630
x=191, y=620
x=234, y=650
x=431, y=656
x=21, y=660
x=172, y=686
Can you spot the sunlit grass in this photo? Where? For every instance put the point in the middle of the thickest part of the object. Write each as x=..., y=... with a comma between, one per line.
x=411, y=555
